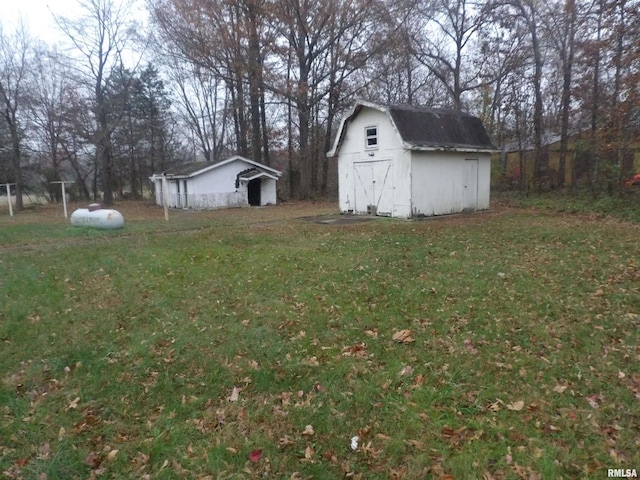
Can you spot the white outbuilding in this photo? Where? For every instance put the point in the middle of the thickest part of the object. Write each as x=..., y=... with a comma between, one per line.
x=234, y=182
x=408, y=161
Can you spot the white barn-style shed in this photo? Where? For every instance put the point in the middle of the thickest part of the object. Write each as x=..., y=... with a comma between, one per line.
x=407, y=161
x=234, y=182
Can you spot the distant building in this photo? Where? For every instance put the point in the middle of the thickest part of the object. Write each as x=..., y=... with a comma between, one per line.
x=234, y=182
x=405, y=161
x=518, y=159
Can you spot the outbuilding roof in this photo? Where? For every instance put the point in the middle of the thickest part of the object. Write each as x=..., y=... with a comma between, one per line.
x=256, y=172
x=193, y=169
x=422, y=128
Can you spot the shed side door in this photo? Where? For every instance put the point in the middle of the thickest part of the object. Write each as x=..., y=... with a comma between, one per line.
x=470, y=192
x=373, y=187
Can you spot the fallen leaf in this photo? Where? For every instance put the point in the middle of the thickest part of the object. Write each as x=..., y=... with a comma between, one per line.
x=418, y=381
x=457, y=435
x=255, y=455
x=44, y=451
x=93, y=460
x=235, y=395
x=470, y=347
x=285, y=442
x=111, y=456
x=592, y=400
x=403, y=336
x=312, y=361
x=371, y=333
x=308, y=431
x=516, y=406
x=73, y=404
x=416, y=444
x=308, y=452
x=140, y=461
x=406, y=370
x=355, y=350
x=559, y=388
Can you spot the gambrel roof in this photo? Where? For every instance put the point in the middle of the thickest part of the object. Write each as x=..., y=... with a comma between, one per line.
x=422, y=128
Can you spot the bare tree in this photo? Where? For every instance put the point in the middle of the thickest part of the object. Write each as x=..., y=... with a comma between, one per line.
x=224, y=40
x=203, y=99
x=205, y=105
x=324, y=43
x=15, y=53
x=445, y=43
x=99, y=38
x=527, y=11
x=560, y=22
x=50, y=99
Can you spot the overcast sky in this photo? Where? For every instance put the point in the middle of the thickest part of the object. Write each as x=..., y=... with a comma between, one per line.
x=38, y=14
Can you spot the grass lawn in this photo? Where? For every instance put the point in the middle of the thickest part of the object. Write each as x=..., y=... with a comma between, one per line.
x=256, y=343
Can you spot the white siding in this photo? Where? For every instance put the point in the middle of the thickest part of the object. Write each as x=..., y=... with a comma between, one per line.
x=215, y=188
x=403, y=175
x=484, y=181
x=268, y=192
x=217, y=180
x=207, y=201
x=438, y=182
x=386, y=165
x=158, y=188
x=405, y=183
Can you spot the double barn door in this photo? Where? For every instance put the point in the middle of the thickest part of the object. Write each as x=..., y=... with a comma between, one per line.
x=373, y=187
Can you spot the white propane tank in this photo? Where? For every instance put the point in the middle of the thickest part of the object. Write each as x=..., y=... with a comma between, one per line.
x=97, y=217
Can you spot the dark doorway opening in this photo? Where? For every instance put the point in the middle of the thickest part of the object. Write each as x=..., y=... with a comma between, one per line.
x=253, y=192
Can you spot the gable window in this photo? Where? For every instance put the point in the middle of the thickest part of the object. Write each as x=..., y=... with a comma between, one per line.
x=371, y=137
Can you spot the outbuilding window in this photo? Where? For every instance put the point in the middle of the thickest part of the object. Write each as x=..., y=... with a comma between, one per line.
x=371, y=137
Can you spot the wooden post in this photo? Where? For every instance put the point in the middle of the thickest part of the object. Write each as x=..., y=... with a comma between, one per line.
x=165, y=197
x=64, y=200
x=64, y=196
x=9, y=198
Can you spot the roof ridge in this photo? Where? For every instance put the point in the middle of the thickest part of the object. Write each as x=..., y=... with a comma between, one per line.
x=427, y=109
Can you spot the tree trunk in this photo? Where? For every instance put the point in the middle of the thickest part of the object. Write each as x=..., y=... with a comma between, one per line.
x=304, y=114
x=303, y=161
x=594, y=163
x=265, y=134
x=255, y=81
x=17, y=167
x=567, y=70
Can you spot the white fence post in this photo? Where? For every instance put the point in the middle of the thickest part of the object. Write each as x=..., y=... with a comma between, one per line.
x=9, y=198
x=64, y=195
